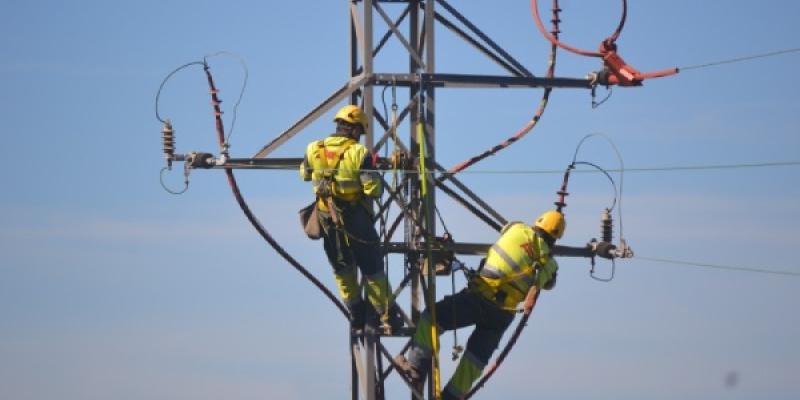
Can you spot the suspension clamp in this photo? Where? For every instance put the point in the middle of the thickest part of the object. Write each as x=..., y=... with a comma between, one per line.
x=617, y=72
x=623, y=251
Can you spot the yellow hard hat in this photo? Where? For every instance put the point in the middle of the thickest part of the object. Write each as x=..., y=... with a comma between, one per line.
x=552, y=222
x=353, y=115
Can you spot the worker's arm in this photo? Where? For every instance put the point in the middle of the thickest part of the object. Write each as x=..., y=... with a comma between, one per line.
x=370, y=179
x=305, y=170
x=547, y=274
x=305, y=167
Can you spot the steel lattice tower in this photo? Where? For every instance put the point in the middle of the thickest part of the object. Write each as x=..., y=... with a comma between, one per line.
x=415, y=28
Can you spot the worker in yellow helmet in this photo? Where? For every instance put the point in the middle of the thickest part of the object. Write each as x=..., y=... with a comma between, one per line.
x=344, y=180
x=520, y=259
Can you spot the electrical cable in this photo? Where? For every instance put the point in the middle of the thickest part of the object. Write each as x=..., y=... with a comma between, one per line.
x=186, y=170
x=203, y=63
x=610, y=179
x=634, y=169
x=241, y=92
x=716, y=166
x=530, y=300
x=719, y=266
x=167, y=78
x=596, y=103
x=557, y=42
x=621, y=173
x=249, y=214
x=528, y=127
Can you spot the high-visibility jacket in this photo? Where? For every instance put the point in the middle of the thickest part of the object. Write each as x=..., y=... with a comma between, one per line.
x=518, y=260
x=336, y=163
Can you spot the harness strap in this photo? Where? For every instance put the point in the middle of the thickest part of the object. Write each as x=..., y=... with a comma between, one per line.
x=326, y=188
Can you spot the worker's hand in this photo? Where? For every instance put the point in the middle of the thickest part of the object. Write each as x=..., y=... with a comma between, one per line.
x=551, y=283
x=605, y=250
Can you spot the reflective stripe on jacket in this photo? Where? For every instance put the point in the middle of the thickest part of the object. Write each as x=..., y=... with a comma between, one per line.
x=518, y=260
x=349, y=182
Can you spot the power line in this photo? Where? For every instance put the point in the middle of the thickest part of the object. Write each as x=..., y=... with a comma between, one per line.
x=716, y=166
x=561, y=171
x=656, y=169
x=718, y=266
x=641, y=169
x=739, y=59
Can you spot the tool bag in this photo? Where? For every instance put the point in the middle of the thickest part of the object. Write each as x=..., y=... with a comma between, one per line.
x=309, y=220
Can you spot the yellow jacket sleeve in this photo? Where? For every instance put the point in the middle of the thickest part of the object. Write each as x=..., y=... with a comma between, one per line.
x=546, y=273
x=371, y=182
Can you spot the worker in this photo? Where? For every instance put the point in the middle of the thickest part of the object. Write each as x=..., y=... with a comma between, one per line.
x=345, y=183
x=521, y=258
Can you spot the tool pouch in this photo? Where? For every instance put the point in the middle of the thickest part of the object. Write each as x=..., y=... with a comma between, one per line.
x=309, y=220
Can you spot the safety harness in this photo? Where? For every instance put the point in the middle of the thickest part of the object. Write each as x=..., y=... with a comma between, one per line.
x=326, y=186
x=508, y=285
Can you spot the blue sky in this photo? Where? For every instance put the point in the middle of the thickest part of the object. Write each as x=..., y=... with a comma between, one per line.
x=112, y=288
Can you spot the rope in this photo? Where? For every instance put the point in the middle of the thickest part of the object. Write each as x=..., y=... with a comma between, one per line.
x=456, y=348
x=384, y=215
x=437, y=385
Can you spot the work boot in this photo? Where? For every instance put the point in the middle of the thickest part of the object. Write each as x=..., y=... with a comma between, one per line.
x=408, y=370
x=446, y=395
x=357, y=315
x=394, y=322
x=370, y=317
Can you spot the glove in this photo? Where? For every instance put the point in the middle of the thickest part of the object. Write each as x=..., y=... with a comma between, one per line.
x=551, y=283
x=546, y=274
x=605, y=250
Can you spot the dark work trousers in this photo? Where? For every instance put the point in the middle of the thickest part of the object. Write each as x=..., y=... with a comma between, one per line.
x=363, y=249
x=466, y=308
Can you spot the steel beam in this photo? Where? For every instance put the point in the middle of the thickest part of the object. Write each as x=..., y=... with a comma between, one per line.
x=336, y=97
x=479, y=81
x=480, y=47
x=481, y=249
x=485, y=38
x=367, y=62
